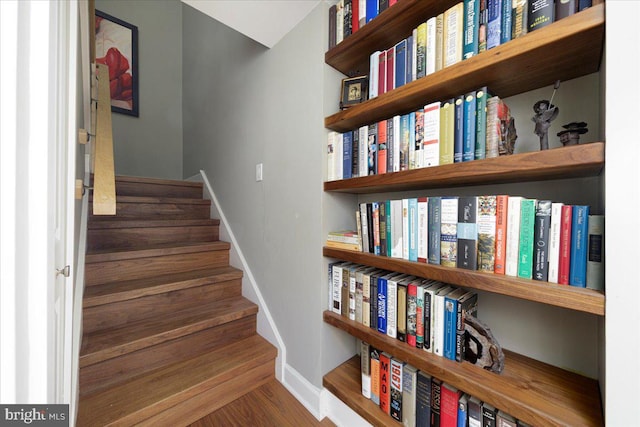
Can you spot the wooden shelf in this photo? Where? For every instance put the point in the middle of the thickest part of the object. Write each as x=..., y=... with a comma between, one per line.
x=558, y=163
x=344, y=383
x=532, y=391
x=566, y=49
x=570, y=297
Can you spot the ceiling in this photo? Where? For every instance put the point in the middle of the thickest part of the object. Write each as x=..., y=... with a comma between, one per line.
x=265, y=21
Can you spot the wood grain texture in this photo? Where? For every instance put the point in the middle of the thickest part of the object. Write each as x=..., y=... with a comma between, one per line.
x=116, y=223
x=155, y=250
x=571, y=297
x=138, y=237
x=104, y=187
x=143, y=397
x=532, y=61
x=108, y=343
x=270, y=405
x=159, y=208
x=558, y=163
x=111, y=372
x=532, y=391
x=154, y=187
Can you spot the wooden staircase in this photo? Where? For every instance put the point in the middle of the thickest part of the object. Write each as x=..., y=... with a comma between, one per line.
x=167, y=336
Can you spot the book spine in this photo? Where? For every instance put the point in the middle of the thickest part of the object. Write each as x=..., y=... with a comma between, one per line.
x=400, y=63
x=493, y=128
x=565, y=245
x=482, y=27
x=372, y=149
x=423, y=229
x=375, y=375
x=458, y=129
x=488, y=415
x=481, y=124
x=352, y=293
x=355, y=16
x=541, y=240
x=450, y=330
x=540, y=14
x=385, y=372
x=383, y=5
x=453, y=33
x=362, y=151
x=375, y=211
x=504, y=117
x=395, y=150
x=506, y=28
x=431, y=142
x=396, y=228
x=347, y=152
x=449, y=406
x=448, y=231
x=467, y=233
x=347, y=17
x=372, y=10
x=513, y=235
x=421, y=50
x=412, y=313
x=410, y=67
x=337, y=289
x=332, y=26
x=391, y=68
x=331, y=156
x=583, y=4
x=382, y=147
x=374, y=64
x=471, y=24
x=487, y=248
x=474, y=410
x=382, y=305
x=554, y=242
x=359, y=296
x=366, y=299
x=428, y=320
x=412, y=140
x=339, y=21
x=413, y=229
x=494, y=23
x=420, y=316
x=525, y=251
x=434, y=224
x=339, y=161
x=365, y=369
x=436, y=385
x=595, y=253
x=419, y=139
x=462, y=411
x=392, y=308
x=469, y=129
x=401, y=318
x=519, y=12
x=370, y=227
x=355, y=152
x=404, y=142
x=423, y=400
x=438, y=321
x=447, y=128
x=382, y=219
x=439, y=42
x=405, y=229
x=365, y=227
x=344, y=291
x=373, y=298
x=387, y=213
x=502, y=203
x=382, y=72
x=431, y=46
x=579, y=242
x=467, y=306
x=409, y=391
x=395, y=380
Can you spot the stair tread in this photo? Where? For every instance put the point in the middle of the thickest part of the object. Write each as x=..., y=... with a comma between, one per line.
x=116, y=222
x=159, y=181
x=136, y=288
x=101, y=255
x=141, y=397
x=159, y=200
x=104, y=344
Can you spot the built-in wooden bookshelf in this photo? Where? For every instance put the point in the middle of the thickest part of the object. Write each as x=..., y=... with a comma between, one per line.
x=535, y=392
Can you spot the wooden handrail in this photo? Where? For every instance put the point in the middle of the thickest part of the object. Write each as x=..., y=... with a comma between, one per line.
x=104, y=181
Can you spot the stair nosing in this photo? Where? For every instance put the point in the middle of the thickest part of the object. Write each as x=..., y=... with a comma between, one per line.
x=155, y=250
x=159, y=200
x=158, y=181
x=126, y=223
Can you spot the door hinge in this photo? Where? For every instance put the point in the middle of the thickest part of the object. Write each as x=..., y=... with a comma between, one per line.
x=65, y=271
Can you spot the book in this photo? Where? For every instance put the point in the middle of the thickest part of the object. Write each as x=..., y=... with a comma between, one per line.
x=438, y=319
x=579, y=242
x=513, y=235
x=355, y=152
x=554, y=242
x=409, y=392
x=564, y=262
x=330, y=284
x=391, y=69
x=413, y=229
x=421, y=50
x=400, y=63
x=371, y=10
x=458, y=129
x=449, y=398
x=507, y=19
x=497, y=116
x=423, y=400
x=405, y=229
x=431, y=46
x=448, y=231
x=419, y=139
x=502, y=202
x=481, y=124
x=401, y=318
x=505, y=420
x=347, y=18
x=395, y=381
x=411, y=310
x=540, y=14
x=396, y=228
x=420, y=288
x=387, y=214
x=471, y=25
x=353, y=270
x=339, y=21
x=474, y=411
x=450, y=323
x=488, y=415
x=433, y=221
x=385, y=382
x=370, y=226
x=375, y=375
x=462, y=410
x=439, y=44
x=404, y=142
x=366, y=297
x=541, y=240
x=394, y=144
x=373, y=298
x=392, y=304
x=365, y=369
x=374, y=71
x=412, y=140
x=383, y=5
x=359, y=294
x=494, y=23
x=423, y=229
x=382, y=73
x=486, y=221
x=467, y=306
x=372, y=149
x=383, y=217
x=355, y=15
x=339, y=155
x=583, y=4
x=431, y=141
x=382, y=304
x=467, y=233
x=382, y=147
x=363, y=151
x=519, y=24
x=469, y=127
x=337, y=287
x=436, y=386
x=364, y=223
x=447, y=130
x=453, y=34
x=332, y=25
x=331, y=156
x=410, y=67
x=525, y=250
x=595, y=253
x=430, y=290
x=482, y=27
x=343, y=245
x=343, y=236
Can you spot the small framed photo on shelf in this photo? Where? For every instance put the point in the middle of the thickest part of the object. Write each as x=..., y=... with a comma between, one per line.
x=354, y=91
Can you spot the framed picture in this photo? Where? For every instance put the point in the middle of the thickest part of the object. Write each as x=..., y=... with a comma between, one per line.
x=117, y=47
x=354, y=91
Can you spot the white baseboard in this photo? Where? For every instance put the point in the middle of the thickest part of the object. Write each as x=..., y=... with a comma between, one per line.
x=306, y=393
x=338, y=412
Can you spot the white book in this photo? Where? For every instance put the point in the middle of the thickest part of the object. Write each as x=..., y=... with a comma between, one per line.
x=431, y=46
x=365, y=227
x=339, y=21
x=453, y=34
x=366, y=296
x=405, y=229
x=409, y=390
x=352, y=292
x=430, y=289
x=396, y=228
x=359, y=294
x=373, y=75
x=363, y=153
x=554, y=241
x=331, y=156
x=431, y=140
x=362, y=13
x=513, y=235
x=365, y=369
x=392, y=305
x=337, y=289
x=338, y=151
x=438, y=320
x=414, y=61
x=396, y=144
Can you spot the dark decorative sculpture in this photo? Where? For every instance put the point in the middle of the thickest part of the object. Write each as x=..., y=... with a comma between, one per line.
x=572, y=132
x=481, y=347
x=546, y=112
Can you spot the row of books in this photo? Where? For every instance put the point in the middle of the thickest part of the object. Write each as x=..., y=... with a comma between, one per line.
x=510, y=235
x=423, y=313
x=415, y=398
x=348, y=16
x=469, y=127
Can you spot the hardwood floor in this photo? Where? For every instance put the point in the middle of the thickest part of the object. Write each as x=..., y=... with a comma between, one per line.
x=270, y=405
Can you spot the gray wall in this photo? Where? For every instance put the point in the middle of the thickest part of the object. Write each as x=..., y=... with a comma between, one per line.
x=151, y=144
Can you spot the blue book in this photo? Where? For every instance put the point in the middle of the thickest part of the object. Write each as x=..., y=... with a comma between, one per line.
x=433, y=216
x=400, y=64
x=373, y=299
x=462, y=411
x=583, y=4
x=494, y=23
x=505, y=30
x=372, y=9
x=481, y=123
x=412, y=140
x=469, y=127
x=413, y=229
x=450, y=323
x=347, y=152
x=382, y=304
x=471, y=25
x=579, y=244
x=409, y=61
x=458, y=130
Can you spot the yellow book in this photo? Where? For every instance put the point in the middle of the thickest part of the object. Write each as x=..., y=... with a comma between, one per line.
x=453, y=31
x=447, y=122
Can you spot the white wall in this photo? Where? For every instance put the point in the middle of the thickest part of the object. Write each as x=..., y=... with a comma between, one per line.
x=151, y=145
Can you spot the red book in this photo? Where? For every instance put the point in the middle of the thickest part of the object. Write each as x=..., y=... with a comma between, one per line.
x=391, y=69
x=355, y=13
x=565, y=245
x=385, y=372
x=449, y=397
x=412, y=313
x=382, y=147
x=392, y=2
x=501, y=234
x=382, y=72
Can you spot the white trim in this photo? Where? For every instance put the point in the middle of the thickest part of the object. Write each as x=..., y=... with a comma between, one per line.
x=306, y=393
x=338, y=412
x=266, y=326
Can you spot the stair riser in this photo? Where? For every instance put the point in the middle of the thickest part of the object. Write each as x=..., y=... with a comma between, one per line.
x=155, y=211
x=120, y=313
x=139, y=189
x=210, y=400
x=132, y=238
x=114, y=371
x=111, y=271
